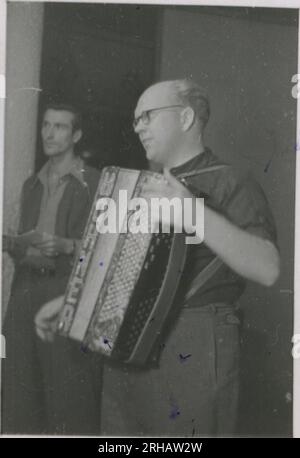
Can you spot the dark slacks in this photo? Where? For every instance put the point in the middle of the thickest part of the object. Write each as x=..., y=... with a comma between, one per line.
x=47, y=388
x=193, y=392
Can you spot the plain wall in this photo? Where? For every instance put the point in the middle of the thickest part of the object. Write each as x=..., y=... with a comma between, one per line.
x=23, y=56
x=100, y=57
x=247, y=68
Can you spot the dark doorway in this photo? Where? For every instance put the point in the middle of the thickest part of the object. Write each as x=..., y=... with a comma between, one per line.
x=100, y=58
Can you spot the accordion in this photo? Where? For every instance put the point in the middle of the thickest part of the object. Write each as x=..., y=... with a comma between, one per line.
x=123, y=284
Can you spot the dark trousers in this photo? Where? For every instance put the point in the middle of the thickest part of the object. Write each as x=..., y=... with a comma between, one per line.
x=46, y=388
x=193, y=392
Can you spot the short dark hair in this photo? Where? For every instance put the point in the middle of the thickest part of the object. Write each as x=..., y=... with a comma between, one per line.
x=77, y=118
x=190, y=93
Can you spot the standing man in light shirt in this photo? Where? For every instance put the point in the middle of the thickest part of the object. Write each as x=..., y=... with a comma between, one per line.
x=49, y=388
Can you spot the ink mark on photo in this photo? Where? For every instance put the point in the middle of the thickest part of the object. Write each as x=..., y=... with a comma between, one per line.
x=106, y=341
x=193, y=430
x=174, y=412
x=269, y=163
x=272, y=138
x=81, y=259
x=100, y=263
x=84, y=348
x=184, y=357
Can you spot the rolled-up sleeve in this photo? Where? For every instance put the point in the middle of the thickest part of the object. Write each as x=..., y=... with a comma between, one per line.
x=246, y=206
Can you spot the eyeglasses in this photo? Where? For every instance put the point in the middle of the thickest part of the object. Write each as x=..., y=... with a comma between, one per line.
x=146, y=117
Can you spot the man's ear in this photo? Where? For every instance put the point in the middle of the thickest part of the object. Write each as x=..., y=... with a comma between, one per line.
x=77, y=135
x=187, y=118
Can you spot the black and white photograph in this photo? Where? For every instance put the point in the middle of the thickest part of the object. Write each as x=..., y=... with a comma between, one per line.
x=149, y=220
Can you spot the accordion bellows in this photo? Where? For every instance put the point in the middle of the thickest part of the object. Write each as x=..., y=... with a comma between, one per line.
x=123, y=284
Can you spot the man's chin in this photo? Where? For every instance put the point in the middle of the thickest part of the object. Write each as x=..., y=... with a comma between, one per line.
x=155, y=166
x=150, y=154
x=50, y=152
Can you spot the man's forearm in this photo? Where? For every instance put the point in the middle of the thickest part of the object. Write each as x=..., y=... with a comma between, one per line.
x=252, y=257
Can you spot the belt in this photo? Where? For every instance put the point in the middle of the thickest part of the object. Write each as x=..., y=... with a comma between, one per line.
x=42, y=271
x=221, y=310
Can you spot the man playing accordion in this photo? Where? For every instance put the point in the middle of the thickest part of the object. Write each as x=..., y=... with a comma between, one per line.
x=190, y=385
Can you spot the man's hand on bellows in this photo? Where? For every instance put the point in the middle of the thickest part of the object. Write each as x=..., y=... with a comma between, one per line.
x=169, y=188
x=46, y=319
x=175, y=193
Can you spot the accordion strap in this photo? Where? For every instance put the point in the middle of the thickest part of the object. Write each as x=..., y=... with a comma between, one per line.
x=203, y=277
x=216, y=263
x=212, y=168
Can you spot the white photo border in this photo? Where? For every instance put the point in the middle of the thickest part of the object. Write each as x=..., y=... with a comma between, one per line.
x=233, y=3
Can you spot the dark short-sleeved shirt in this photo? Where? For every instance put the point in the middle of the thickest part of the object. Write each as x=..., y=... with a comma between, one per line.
x=240, y=199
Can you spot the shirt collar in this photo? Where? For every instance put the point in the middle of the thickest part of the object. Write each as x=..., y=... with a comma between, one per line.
x=199, y=161
x=75, y=168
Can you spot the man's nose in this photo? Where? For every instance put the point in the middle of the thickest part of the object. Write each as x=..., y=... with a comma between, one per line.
x=140, y=126
x=49, y=132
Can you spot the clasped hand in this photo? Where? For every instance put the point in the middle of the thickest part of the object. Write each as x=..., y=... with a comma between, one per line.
x=53, y=245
